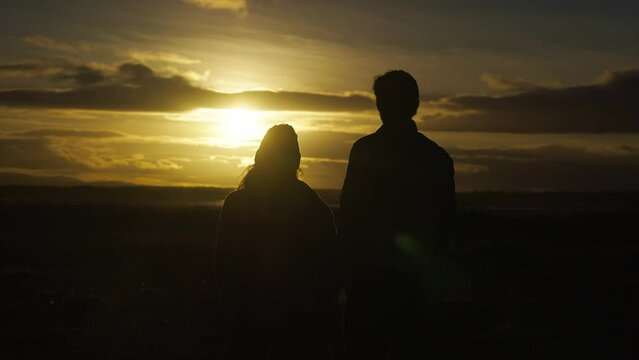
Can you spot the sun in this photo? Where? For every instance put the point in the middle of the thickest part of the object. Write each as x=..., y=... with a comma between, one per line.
x=240, y=126
x=237, y=127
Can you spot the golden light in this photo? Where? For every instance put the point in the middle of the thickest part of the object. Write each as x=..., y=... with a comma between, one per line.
x=236, y=127
x=240, y=126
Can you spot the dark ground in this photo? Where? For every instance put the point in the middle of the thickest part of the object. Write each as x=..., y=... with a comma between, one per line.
x=531, y=276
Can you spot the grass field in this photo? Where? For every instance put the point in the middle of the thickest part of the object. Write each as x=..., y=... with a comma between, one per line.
x=531, y=275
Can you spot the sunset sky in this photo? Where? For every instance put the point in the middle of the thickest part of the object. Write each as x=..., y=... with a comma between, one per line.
x=524, y=95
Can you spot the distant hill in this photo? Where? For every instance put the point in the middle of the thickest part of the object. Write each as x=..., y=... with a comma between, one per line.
x=31, y=180
x=8, y=179
x=68, y=190
x=115, y=195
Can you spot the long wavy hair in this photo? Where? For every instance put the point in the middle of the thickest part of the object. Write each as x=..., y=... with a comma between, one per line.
x=276, y=160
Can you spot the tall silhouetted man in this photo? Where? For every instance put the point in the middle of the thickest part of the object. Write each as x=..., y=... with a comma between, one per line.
x=397, y=206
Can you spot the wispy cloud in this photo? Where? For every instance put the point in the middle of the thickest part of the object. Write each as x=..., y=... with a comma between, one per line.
x=238, y=6
x=48, y=43
x=500, y=83
x=18, y=67
x=68, y=133
x=27, y=69
x=161, y=56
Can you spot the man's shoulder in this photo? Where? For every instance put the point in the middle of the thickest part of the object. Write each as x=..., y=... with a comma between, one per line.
x=367, y=140
x=366, y=144
x=433, y=148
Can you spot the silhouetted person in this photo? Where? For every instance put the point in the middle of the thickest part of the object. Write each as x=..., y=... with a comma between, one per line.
x=275, y=258
x=397, y=205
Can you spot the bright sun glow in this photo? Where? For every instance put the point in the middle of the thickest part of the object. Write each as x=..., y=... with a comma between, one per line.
x=241, y=125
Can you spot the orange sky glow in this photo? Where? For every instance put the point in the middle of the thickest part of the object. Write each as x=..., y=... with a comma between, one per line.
x=180, y=92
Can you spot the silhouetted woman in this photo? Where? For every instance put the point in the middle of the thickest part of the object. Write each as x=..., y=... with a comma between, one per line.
x=275, y=266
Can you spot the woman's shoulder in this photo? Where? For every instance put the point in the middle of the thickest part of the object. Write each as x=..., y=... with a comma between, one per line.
x=311, y=194
x=316, y=208
x=235, y=198
x=237, y=205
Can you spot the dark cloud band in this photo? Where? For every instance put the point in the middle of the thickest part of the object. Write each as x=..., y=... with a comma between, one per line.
x=136, y=87
x=606, y=106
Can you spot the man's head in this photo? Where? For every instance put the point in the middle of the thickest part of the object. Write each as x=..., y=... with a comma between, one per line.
x=397, y=96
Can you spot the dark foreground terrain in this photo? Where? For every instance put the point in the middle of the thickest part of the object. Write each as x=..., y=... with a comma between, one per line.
x=530, y=276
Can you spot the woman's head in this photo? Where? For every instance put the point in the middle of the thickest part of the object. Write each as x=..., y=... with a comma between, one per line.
x=278, y=157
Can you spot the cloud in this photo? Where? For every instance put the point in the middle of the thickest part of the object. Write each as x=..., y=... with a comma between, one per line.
x=324, y=173
x=30, y=154
x=162, y=56
x=238, y=6
x=65, y=154
x=496, y=82
x=16, y=69
x=68, y=133
x=27, y=69
x=81, y=75
x=136, y=87
x=74, y=151
x=548, y=168
x=99, y=158
x=104, y=155
x=326, y=144
x=133, y=87
x=298, y=101
x=608, y=105
x=48, y=43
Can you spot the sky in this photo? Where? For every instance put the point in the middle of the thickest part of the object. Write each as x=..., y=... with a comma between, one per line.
x=525, y=96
